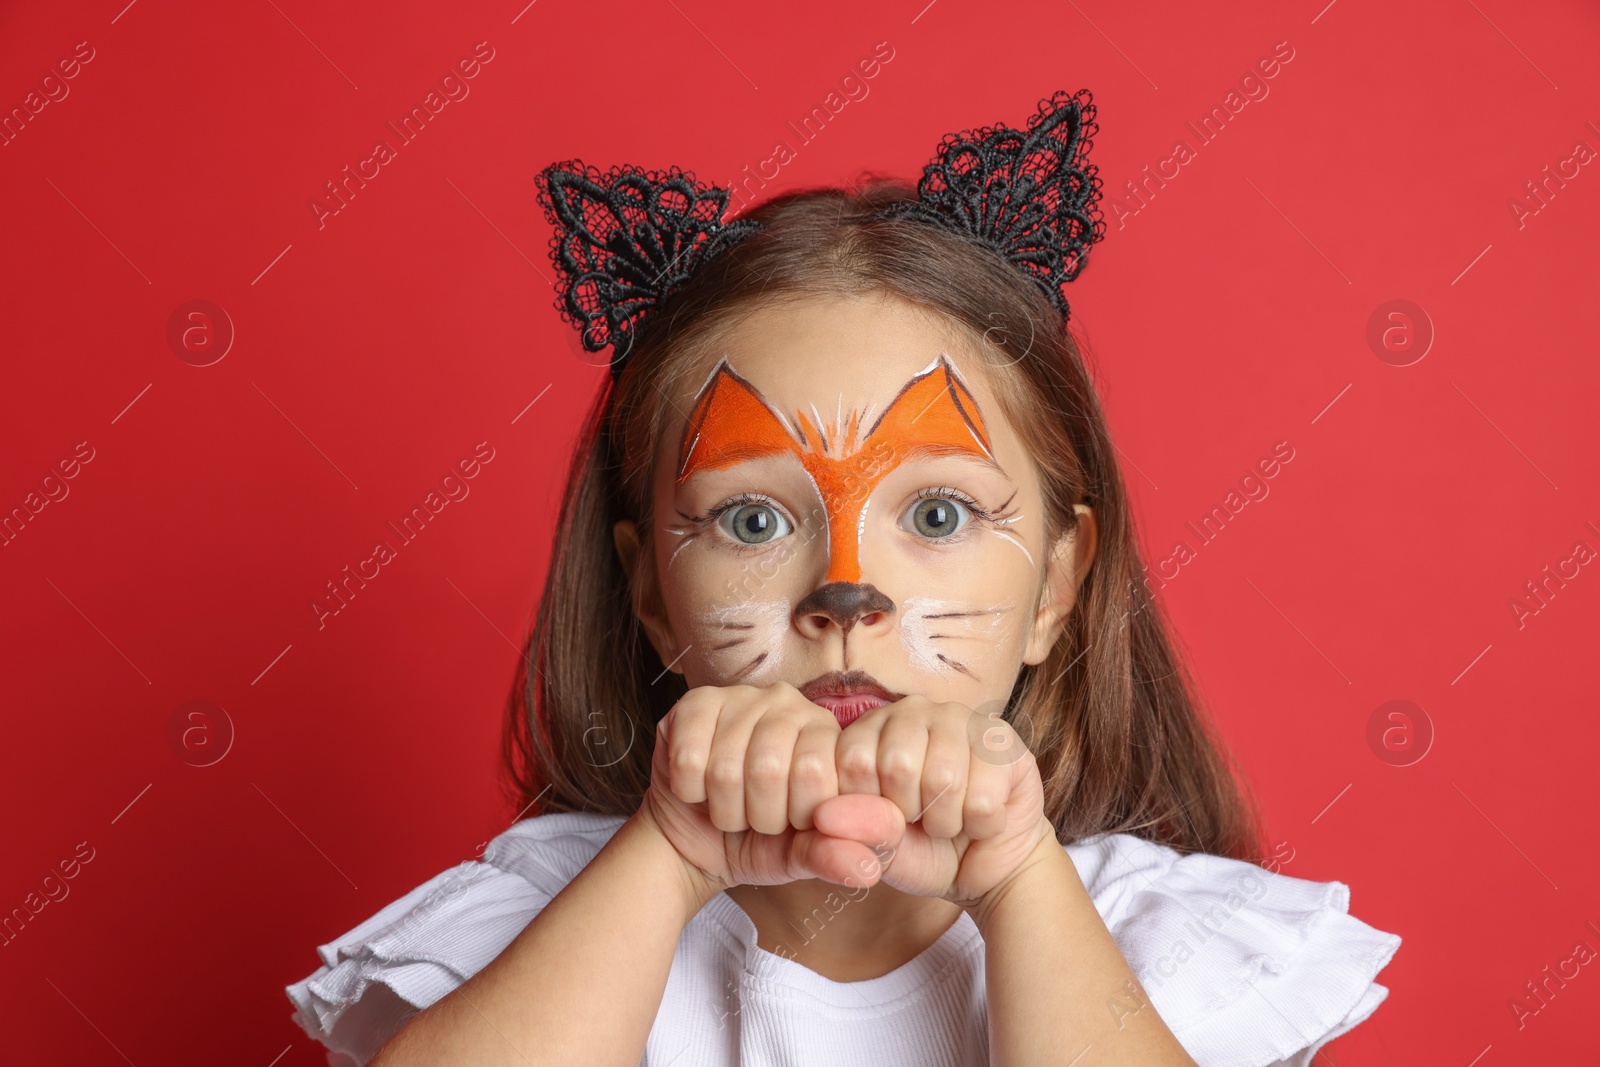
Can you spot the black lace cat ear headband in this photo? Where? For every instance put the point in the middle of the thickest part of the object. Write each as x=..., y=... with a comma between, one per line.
x=627, y=238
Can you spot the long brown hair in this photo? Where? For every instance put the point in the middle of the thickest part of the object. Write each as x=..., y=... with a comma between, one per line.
x=1110, y=715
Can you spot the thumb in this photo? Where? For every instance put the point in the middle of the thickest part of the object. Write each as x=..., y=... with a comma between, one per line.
x=863, y=817
x=832, y=859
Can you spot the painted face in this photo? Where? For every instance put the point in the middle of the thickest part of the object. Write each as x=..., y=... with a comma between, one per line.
x=842, y=493
x=933, y=414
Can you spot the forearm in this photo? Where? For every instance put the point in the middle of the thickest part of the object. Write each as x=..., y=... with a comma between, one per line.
x=1059, y=989
x=583, y=981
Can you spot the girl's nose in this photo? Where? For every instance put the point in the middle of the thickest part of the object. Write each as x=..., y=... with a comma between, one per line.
x=842, y=604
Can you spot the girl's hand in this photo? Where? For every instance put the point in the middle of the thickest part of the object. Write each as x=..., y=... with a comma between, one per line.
x=966, y=785
x=737, y=775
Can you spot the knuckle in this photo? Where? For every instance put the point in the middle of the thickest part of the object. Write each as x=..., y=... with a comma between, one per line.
x=942, y=776
x=687, y=761
x=954, y=712
x=981, y=805
x=898, y=765
x=765, y=768
x=697, y=698
x=857, y=760
x=725, y=771
x=810, y=769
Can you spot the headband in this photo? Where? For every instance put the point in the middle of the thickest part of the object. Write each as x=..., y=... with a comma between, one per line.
x=626, y=238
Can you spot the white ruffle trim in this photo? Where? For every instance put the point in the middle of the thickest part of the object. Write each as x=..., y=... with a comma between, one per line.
x=433, y=939
x=421, y=946
x=1247, y=968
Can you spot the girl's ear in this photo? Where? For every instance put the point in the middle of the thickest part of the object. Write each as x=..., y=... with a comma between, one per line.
x=645, y=593
x=1065, y=571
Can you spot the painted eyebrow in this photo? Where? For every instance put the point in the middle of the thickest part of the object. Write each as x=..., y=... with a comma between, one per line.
x=914, y=450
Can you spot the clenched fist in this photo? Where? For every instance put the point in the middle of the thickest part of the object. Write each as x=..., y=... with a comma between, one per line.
x=737, y=775
x=757, y=785
x=965, y=784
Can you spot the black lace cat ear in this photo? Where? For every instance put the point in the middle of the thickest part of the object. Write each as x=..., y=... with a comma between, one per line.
x=626, y=238
x=1030, y=194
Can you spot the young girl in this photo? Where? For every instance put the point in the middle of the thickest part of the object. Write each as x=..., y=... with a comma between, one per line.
x=854, y=734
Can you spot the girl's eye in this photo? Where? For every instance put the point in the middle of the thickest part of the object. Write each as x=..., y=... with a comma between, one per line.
x=937, y=517
x=755, y=524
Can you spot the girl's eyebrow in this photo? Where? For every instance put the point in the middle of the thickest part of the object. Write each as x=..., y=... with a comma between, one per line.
x=934, y=449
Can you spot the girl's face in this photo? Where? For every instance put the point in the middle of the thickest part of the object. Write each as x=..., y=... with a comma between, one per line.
x=840, y=500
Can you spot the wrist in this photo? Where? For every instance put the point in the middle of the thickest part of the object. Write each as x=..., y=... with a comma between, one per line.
x=698, y=886
x=1046, y=851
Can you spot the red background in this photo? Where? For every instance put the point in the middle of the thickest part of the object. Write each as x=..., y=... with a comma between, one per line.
x=1228, y=314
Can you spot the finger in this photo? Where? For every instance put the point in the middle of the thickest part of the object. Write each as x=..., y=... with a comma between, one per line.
x=945, y=771
x=725, y=766
x=812, y=775
x=856, y=754
x=871, y=820
x=902, y=748
x=833, y=859
x=689, y=726
x=983, y=811
x=766, y=771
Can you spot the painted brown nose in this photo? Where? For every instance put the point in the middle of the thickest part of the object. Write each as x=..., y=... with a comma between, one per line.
x=843, y=603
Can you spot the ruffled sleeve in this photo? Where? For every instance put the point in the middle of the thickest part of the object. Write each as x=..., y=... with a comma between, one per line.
x=1246, y=967
x=419, y=948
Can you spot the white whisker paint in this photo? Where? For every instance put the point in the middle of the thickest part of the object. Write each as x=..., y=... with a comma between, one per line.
x=866, y=416
x=769, y=624
x=1014, y=539
x=687, y=540
x=916, y=626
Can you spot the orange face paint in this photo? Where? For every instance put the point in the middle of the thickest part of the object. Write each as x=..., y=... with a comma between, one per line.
x=933, y=414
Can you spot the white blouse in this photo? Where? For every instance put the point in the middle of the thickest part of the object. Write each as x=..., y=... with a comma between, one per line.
x=1247, y=968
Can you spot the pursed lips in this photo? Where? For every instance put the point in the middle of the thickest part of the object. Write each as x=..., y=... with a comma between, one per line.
x=848, y=694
